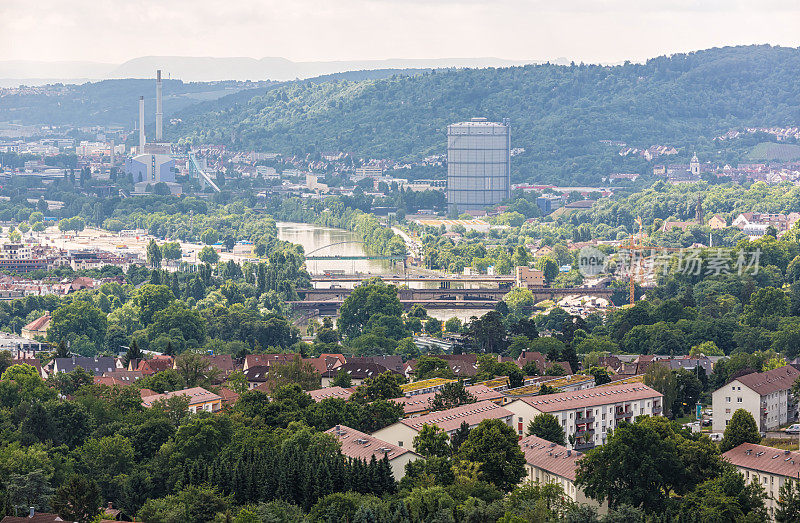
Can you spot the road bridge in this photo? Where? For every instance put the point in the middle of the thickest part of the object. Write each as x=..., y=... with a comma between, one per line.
x=331, y=299
x=403, y=279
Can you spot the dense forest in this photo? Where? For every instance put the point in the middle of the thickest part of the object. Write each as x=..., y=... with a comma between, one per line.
x=559, y=114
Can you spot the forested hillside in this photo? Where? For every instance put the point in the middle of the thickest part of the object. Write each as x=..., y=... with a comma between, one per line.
x=559, y=114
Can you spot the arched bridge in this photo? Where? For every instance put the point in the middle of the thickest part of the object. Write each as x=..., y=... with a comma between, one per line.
x=309, y=255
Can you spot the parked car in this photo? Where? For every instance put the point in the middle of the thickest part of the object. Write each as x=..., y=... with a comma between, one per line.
x=706, y=422
x=716, y=436
x=793, y=429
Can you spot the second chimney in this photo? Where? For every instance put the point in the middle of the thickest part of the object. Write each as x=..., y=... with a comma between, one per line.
x=159, y=114
x=141, y=123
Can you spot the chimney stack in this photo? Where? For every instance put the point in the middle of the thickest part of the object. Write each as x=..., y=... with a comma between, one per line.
x=141, y=124
x=111, y=157
x=159, y=114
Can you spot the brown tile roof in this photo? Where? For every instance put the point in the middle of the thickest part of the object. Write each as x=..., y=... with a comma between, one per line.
x=771, y=381
x=541, y=361
x=765, y=459
x=253, y=360
x=196, y=395
x=330, y=392
x=149, y=367
x=358, y=370
x=228, y=396
x=451, y=419
x=257, y=374
x=325, y=362
x=422, y=402
x=40, y=517
x=224, y=362
x=39, y=323
x=392, y=362
x=548, y=456
x=33, y=362
x=590, y=397
x=358, y=445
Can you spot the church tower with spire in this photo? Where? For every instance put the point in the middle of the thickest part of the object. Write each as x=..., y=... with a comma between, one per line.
x=694, y=165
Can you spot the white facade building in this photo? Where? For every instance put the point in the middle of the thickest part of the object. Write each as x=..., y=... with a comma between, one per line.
x=765, y=395
x=588, y=415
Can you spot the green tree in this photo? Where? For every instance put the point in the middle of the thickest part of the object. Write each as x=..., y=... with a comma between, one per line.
x=433, y=326
x=195, y=370
x=151, y=299
x=741, y=428
x=493, y=445
x=77, y=500
x=549, y=268
x=547, y=426
x=366, y=300
x=171, y=251
x=154, y=255
x=208, y=255
x=237, y=382
x=773, y=363
x=78, y=318
x=193, y=504
x=451, y=395
x=453, y=325
x=788, y=502
x=209, y=236
x=431, y=441
x=384, y=386
x=661, y=378
x=342, y=379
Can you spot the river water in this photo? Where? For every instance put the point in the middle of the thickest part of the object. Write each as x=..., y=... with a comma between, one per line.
x=313, y=237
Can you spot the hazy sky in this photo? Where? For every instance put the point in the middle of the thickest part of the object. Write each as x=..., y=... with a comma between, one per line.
x=588, y=30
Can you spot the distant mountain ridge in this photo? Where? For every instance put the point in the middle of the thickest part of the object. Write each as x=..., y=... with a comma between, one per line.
x=560, y=115
x=207, y=69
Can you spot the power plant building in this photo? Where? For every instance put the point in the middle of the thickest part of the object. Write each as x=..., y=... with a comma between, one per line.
x=478, y=164
x=151, y=168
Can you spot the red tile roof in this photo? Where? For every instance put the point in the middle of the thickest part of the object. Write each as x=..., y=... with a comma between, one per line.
x=765, y=459
x=590, y=397
x=771, y=381
x=548, y=456
x=39, y=323
x=228, y=396
x=358, y=445
x=330, y=392
x=451, y=419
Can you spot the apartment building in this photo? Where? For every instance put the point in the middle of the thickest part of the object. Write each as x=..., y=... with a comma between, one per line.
x=547, y=462
x=765, y=395
x=588, y=415
x=768, y=466
x=402, y=433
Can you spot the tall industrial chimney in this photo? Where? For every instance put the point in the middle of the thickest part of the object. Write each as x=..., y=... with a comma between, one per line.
x=141, y=123
x=111, y=157
x=159, y=114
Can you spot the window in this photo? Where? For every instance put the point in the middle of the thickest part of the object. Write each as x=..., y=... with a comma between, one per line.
x=739, y=399
x=520, y=419
x=399, y=443
x=728, y=399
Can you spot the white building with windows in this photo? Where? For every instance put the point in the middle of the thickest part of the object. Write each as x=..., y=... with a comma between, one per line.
x=768, y=466
x=547, y=462
x=588, y=415
x=765, y=395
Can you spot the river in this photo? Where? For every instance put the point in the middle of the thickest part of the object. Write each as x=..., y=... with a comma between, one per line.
x=313, y=237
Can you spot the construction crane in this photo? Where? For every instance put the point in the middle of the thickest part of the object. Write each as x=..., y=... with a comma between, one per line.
x=634, y=245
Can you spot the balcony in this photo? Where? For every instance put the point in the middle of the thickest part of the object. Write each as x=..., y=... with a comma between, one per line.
x=583, y=446
x=587, y=419
x=581, y=433
x=623, y=414
x=657, y=409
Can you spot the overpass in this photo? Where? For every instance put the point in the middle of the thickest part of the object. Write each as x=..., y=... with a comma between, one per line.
x=197, y=172
x=331, y=299
x=456, y=278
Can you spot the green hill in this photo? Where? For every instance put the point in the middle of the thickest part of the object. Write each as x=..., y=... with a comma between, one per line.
x=559, y=114
x=767, y=151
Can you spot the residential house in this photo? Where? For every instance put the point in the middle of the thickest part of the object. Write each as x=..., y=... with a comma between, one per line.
x=358, y=445
x=199, y=399
x=33, y=517
x=547, y=462
x=330, y=392
x=588, y=415
x=683, y=226
x=765, y=395
x=541, y=362
x=228, y=396
x=717, y=222
x=119, y=377
x=768, y=466
x=158, y=363
x=253, y=360
x=534, y=385
x=37, y=327
x=392, y=362
x=428, y=386
x=97, y=365
x=256, y=375
x=402, y=432
x=326, y=362
x=358, y=372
